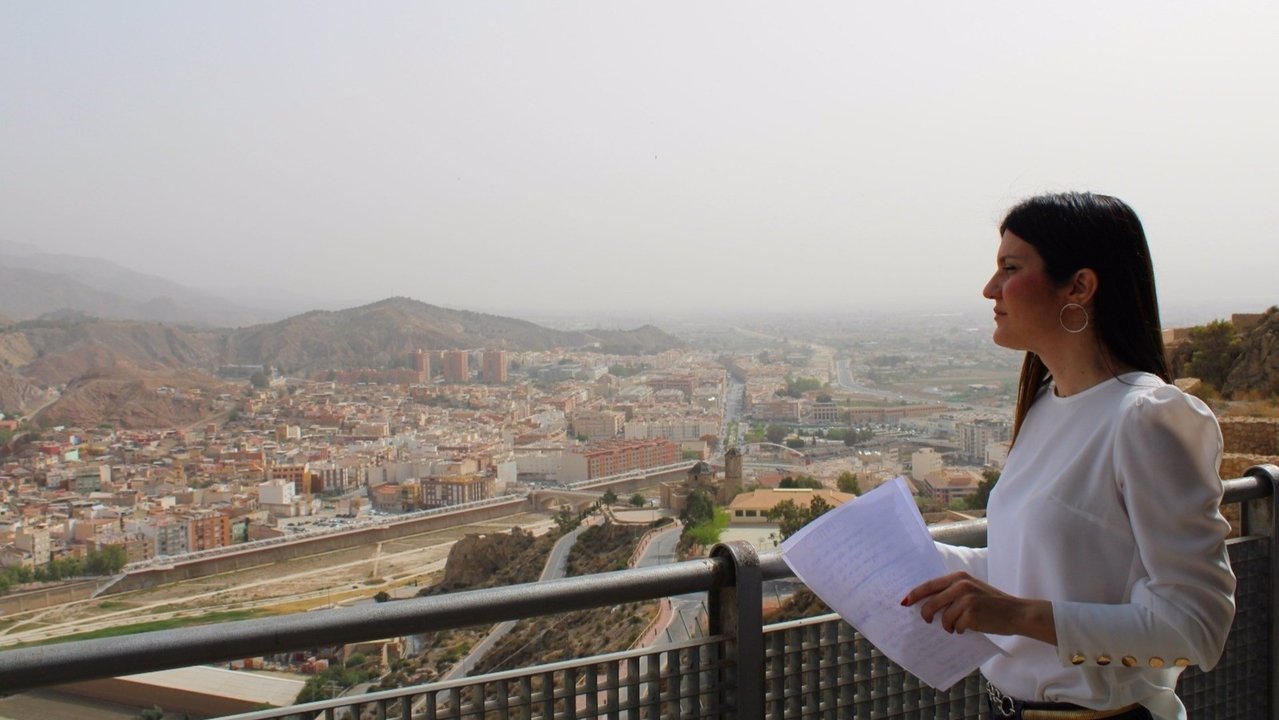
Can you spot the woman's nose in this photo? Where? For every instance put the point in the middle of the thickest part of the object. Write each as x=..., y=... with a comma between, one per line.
x=992, y=288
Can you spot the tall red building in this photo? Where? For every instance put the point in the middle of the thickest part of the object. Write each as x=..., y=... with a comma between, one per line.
x=493, y=367
x=422, y=365
x=456, y=368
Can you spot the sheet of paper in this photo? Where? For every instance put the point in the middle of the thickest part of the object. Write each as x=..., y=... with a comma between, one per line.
x=861, y=559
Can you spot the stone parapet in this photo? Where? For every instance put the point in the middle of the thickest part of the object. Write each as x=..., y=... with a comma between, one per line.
x=1249, y=436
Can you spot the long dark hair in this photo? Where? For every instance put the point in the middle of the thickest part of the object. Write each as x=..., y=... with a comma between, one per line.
x=1072, y=231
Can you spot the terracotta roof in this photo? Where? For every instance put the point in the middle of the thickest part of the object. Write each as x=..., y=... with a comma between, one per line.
x=765, y=499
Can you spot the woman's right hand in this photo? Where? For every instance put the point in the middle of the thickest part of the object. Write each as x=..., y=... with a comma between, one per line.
x=963, y=602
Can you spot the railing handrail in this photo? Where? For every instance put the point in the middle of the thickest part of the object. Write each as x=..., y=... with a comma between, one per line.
x=32, y=667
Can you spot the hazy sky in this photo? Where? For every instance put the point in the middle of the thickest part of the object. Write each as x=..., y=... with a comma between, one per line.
x=644, y=157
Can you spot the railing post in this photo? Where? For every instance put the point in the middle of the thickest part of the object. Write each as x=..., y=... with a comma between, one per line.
x=736, y=611
x=1258, y=517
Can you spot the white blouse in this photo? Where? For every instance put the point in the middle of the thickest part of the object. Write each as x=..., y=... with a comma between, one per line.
x=1109, y=506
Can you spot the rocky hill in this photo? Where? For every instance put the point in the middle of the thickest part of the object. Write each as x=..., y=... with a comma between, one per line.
x=65, y=347
x=1255, y=369
x=1238, y=365
x=127, y=397
x=17, y=394
x=385, y=332
x=34, y=282
x=53, y=352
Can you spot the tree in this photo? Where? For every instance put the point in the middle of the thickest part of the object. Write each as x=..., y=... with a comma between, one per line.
x=259, y=380
x=107, y=561
x=776, y=433
x=790, y=517
x=637, y=500
x=609, y=497
x=381, y=596
x=567, y=520
x=795, y=443
x=847, y=483
x=979, y=499
x=1213, y=349
x=802, y=481
x=699, y=509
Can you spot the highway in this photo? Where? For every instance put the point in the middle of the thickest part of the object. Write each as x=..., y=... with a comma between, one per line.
x=848, y=382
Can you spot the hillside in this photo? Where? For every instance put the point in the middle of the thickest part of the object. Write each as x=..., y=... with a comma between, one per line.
x=127, y=397
x=34, y=282
x=1238, y=365
x=70, y=348
x=382, y=334
x=1255, y=369
x=581, y=633
x=53, y=352
x=16, y=394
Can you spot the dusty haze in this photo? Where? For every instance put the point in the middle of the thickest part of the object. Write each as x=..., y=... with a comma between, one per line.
x=638, y=159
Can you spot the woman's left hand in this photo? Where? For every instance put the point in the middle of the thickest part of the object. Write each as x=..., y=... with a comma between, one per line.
x=965, y=603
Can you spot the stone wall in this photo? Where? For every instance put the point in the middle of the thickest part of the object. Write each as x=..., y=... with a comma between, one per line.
x=242, y=560
x=1233, y=464
x=1250, y=435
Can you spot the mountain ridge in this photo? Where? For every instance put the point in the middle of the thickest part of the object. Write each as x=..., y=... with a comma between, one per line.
x=105, y=364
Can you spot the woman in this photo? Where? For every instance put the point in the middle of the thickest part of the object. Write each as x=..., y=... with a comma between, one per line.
x=1106, y=570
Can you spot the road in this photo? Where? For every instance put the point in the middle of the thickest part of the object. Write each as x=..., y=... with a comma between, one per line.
x=556, y=567
x=687, y=609
x=848, y=382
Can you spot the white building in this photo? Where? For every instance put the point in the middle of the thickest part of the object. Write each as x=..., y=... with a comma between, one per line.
x=276, y=492
x=924, y=462
x=675, y=429
x=975, y=436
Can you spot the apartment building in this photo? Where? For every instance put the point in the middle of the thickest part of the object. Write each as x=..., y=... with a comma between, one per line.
x=974, y=437
x=456, y=366
x=611, y=457
x=675, y=429
x=598, y=424
x=493, y=367
x=445, y=490
x=925, y=462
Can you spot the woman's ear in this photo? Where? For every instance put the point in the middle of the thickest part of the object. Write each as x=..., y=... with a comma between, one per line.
x=1082, y=287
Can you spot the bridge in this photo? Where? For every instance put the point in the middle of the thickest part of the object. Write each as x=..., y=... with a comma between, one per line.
x=583, y=493
x=788, y=455
x=552, y=499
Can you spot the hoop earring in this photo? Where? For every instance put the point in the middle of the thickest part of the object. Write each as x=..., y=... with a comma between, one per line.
x=1061, y=318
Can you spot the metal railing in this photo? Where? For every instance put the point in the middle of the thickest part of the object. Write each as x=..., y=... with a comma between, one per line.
x=816, y=667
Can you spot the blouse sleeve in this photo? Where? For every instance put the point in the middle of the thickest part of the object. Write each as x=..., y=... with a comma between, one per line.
x=964, y=559
x=1181, y=600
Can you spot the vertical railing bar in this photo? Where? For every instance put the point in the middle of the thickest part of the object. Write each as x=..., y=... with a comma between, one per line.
x=614, y=691
x=1270, y=474
x=548, y=696
x=428, y=698
x=736, y=611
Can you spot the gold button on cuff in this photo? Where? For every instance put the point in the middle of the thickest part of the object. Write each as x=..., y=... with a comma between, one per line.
x=1078, y=659
x=1129, y=661
x=1181, y=662
x=1103, y=659
x=1156, y=662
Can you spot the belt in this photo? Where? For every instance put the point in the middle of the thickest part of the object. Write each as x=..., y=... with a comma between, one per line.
x=1005, y=706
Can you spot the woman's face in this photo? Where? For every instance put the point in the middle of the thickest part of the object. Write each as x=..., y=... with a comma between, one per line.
x=1027, y=302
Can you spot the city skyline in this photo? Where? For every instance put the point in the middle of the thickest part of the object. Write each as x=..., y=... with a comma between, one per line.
x=633, y=161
